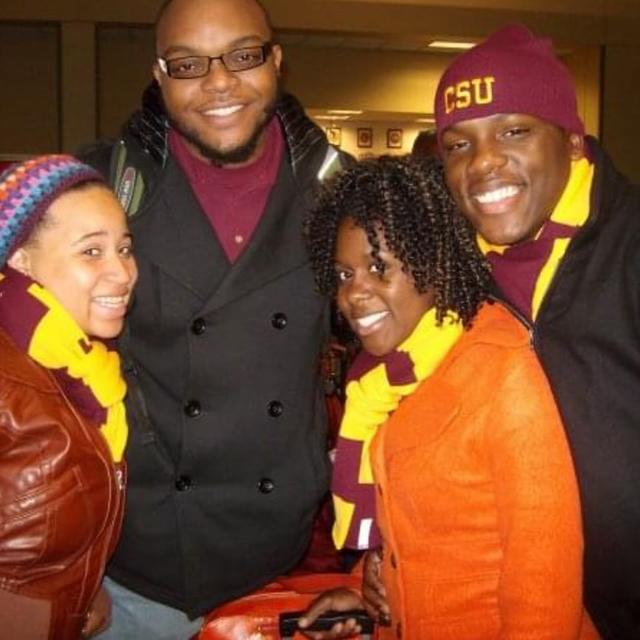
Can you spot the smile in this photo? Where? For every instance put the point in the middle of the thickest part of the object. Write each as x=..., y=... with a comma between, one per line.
x=111, y=302
x=497, y=195
x=222, y=112
x=369, y=323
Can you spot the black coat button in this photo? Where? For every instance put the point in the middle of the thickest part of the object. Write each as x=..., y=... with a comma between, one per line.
x=192, y=409
x=183, y=483
x=275, y=409
x=129, y=368
x=279, y=320
x=198, y=326
x=266, y=485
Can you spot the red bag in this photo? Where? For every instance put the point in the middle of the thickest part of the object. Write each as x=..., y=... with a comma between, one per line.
x=256, y=616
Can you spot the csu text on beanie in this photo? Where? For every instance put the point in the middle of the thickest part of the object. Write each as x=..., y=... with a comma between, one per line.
x=28, y=188
x=510, y=72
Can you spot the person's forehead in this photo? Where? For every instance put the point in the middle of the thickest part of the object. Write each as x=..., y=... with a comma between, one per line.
x=496, y=120
x=212, y=21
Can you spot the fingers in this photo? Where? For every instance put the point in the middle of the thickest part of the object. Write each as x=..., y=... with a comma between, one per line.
x=92, y=624
x=347, y=629
x=98, y=617
x=374, y=598
x=373, y=591
x=340, y=599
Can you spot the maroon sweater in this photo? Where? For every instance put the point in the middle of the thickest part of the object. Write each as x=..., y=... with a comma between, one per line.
x=233, y=199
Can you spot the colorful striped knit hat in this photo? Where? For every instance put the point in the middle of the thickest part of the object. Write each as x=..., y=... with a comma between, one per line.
x=28, y=188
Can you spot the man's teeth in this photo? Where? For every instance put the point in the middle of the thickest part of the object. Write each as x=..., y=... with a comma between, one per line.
x=223, y=111
x=490, y=197
x=370, y=320
x=110, y=301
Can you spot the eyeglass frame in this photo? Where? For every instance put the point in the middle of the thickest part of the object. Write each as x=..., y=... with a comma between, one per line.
x=266, y=47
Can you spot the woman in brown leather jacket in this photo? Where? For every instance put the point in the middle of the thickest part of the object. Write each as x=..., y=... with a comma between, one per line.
x=66, y=274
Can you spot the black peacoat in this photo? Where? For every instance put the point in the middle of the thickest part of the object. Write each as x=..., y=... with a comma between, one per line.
x=227, y=468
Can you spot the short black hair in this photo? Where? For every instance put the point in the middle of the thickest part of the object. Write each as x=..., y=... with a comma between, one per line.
x=406, y=198
x=165, y=5
x=425, y=143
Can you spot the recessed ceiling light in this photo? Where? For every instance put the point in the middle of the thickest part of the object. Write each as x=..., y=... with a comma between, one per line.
x=450, y=45
x=323, y=117
x=346, y=112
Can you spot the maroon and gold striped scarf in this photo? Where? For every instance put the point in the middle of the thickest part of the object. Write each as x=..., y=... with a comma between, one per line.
x=375, y=387
x=86, y=369
x=524, y=271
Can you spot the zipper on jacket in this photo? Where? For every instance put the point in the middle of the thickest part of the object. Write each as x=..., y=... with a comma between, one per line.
x=498, y=296
x=518, y=315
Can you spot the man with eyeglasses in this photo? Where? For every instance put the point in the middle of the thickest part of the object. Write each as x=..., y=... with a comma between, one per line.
x=227, y=455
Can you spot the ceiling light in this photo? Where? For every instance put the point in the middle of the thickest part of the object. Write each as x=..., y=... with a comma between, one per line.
x=346, y=112
x=429, y=120
x=322, y=117
x=451, y=45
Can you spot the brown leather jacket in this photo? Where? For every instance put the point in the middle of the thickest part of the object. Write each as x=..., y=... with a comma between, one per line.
x=61, y=500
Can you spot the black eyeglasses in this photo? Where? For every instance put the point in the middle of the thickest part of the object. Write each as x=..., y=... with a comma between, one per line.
x=198, y=66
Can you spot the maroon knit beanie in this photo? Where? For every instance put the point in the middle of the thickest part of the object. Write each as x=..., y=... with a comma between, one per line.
x=510, y=72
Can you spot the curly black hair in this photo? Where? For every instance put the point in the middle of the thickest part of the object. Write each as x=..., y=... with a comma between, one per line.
x=407, y=199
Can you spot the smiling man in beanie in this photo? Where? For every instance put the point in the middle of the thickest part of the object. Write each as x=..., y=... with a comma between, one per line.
x=561, y=229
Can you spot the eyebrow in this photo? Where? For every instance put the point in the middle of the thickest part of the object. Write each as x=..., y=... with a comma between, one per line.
x=453, y=128
x=98, y=234
x=239, y=43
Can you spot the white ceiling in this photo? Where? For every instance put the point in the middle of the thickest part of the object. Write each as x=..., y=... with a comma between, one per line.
x=629, y=8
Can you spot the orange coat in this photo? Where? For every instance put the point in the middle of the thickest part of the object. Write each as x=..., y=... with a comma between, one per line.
x=477, y=499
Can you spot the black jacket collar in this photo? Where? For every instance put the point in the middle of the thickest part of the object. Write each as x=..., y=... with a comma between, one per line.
x=149, y=127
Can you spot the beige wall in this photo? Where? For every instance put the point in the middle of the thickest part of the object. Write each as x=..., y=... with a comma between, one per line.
x=82, y=70
x=585, y=65
x=379, y=136
x=359, y=79
x=77, y=83
x=621, y=108
x=125, y=56
x=30, y=110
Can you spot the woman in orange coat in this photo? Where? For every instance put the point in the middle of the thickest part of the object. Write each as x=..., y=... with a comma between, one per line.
x=452, y=465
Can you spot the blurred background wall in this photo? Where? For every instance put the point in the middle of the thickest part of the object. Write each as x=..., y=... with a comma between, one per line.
x=72, y=70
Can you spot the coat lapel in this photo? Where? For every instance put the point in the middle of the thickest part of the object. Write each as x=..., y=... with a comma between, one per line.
x=422, y=417
x=275, y=248
x=178, y=236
